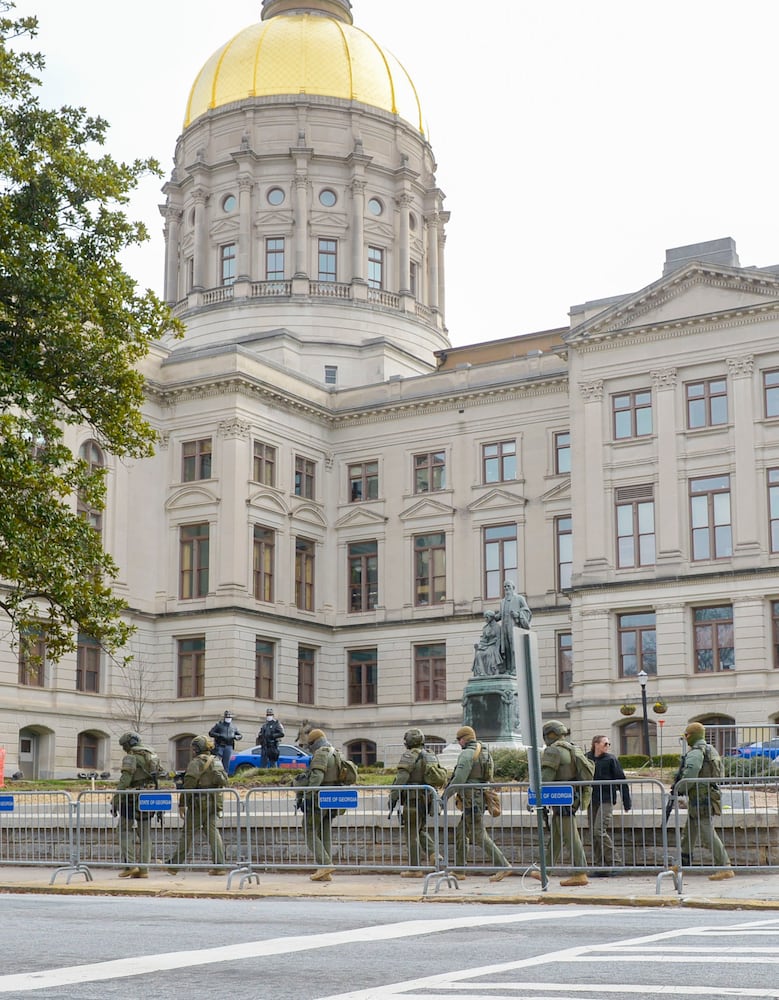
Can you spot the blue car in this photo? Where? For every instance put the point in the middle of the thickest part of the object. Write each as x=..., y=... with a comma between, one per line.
x=768, y=748
x=290, y=756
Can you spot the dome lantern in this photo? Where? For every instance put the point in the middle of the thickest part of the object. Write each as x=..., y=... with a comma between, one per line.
x=339, y=9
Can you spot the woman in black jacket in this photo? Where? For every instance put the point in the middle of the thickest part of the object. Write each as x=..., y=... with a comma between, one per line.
x=607, y=769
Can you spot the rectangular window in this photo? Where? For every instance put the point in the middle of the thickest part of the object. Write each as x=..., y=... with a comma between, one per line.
x=637, y=637
x=773, y=509
x=714, y=650
x=305, y=473
x=710, y=524
x=263, y=669
x=413, y=269
x=564, y=662
x=227, y=260
x=195, y=460
x=499, y=462
x=304, y=574
x=564, y=551
x=306, y=665
x=429, y=569
x=707, y=403
x=88, y=664
x=191, y=667
x=430, y=472
x=327, y=260
x=331, y=374
x=363, y=575
x=87, y=751
x=190, y=272
x=193, y=552
x=264, y=556
x=363, y=481
x=264, y=468
x=499, y=544
x=362, y=669
x=632, y=413
x=775, y=632
x=635, y=512
x=430, y=672
x=562, y=453
x=274, y=259
x=32, y=658
x=771, y=393
x=375, y=267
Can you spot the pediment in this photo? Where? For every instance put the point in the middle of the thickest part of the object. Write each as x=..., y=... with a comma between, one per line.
x=191, y=496
x=426, y=508
x=561, y=491
x=225, y=227
x=268, y=500
x=696, y=296
x=310, y=514
x=497, y=499
x=278, y=219
x=361, y=517
x=327, y=220
x=378, y=229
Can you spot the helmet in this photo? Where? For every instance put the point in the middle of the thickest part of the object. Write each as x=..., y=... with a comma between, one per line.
x=202, y=744
x=314, y=735
x=129, y=740
x=414, y=738
x=467, y=732
x=269, y=711
x=228, y=714
x=554, y=728
x=693, y=732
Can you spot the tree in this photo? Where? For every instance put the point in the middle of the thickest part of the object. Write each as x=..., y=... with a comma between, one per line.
x=72, y=328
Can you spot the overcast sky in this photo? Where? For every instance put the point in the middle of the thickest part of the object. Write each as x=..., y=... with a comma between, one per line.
x=575, y=141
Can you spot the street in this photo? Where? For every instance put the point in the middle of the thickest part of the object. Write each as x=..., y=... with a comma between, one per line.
x=76, y=948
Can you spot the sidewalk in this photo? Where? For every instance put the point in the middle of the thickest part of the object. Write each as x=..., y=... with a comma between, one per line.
x=754, y=891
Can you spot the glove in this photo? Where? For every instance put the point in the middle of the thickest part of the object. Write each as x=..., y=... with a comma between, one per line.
x=114, y=812
x=160, y=817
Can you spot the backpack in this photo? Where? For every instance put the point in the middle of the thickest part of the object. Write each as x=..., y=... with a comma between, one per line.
x=585, y=771
x=150, y=764
x=712, y=767
x=347, y=769
x=433, y=772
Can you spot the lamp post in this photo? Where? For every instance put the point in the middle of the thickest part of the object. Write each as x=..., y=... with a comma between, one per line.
x=643, y=677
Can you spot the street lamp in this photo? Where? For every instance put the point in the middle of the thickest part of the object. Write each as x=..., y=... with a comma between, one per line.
x=643, y=677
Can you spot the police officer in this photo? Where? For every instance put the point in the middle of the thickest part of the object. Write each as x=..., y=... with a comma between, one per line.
x=323, y=770
x=703, y=801
x=224, y=735
x=474, y=767
x=201, y=812
x=270, y=734
x=558, y=764
x=139, y=767
x=415, y=804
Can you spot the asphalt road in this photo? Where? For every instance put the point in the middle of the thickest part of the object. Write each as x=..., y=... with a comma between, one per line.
x=81, y=947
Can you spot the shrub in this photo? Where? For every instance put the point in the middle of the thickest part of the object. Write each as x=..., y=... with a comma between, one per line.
x=750, y=767
x=510, y=765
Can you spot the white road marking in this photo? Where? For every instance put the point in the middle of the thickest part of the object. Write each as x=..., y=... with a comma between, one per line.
x=145, y=964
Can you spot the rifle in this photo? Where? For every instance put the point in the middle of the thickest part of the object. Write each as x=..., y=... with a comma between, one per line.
x=677, y=778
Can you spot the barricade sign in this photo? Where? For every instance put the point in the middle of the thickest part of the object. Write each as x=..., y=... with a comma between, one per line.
x=155, y=802
x=6, y=803
x=552, y=795
x=338, y=799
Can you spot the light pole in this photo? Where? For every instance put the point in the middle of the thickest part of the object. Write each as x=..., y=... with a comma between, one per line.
x=643, y=677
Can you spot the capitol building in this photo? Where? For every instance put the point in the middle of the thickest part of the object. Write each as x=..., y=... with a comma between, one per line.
x=338, y=494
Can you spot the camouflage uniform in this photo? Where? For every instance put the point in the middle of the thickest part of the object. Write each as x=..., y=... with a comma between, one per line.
x=473, y=770
x=703, y=802
x=558, y=765
x=415, y=804
x=201, y=812
x=134, y=825
x=323, y=770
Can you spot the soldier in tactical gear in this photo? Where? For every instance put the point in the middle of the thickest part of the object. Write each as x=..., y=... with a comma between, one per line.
x=703, y=801
x=558, y=765
x=415, y=803
x=224, y=735
x=474, y=767
x=201, y=812
x=323, y=770
x=139, y=770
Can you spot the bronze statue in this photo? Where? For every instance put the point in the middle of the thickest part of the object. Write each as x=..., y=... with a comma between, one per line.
x=487, y=659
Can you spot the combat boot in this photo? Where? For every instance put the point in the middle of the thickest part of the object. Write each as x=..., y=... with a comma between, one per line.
x=322, y=875
x=412, y=874
x=500, y=875
x=579, y=879
x=141, y=873
x=129, y=873
x=721, y=876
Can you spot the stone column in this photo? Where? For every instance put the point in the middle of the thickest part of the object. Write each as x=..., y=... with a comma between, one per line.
x=744, y=490
x=172, y=218
x=245, y=239
x=358, y=229
x=591, y=465
x=200, y=197
x=432, y=222
x=300, y=221
x=668, y=502
x=403, y=202
x=233, y=471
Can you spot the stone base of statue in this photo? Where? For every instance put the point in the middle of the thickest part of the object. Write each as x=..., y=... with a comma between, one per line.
x=491, y=707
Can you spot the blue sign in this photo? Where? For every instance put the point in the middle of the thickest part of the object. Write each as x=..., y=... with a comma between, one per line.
x=155, y=802
x=552, y=795
x=6, y=803
x=338, y=798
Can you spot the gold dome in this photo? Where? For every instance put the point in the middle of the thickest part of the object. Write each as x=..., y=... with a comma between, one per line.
x=304, y=53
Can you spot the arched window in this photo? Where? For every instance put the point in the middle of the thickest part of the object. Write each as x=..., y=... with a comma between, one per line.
x=182, y=752
x=632, y=737
x=720, y=732
x=92, y=454
x=88, y=751
x=362, y=752
x=435, y=743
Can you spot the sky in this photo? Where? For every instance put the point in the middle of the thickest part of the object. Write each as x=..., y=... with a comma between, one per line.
x=575, y=141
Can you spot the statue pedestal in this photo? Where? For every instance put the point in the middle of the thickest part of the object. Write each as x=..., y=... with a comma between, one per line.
x=491, y=707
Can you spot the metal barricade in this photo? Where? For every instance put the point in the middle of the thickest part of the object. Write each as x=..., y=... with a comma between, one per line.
x=341, y=828
x=142, y=829
x=36, y=828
